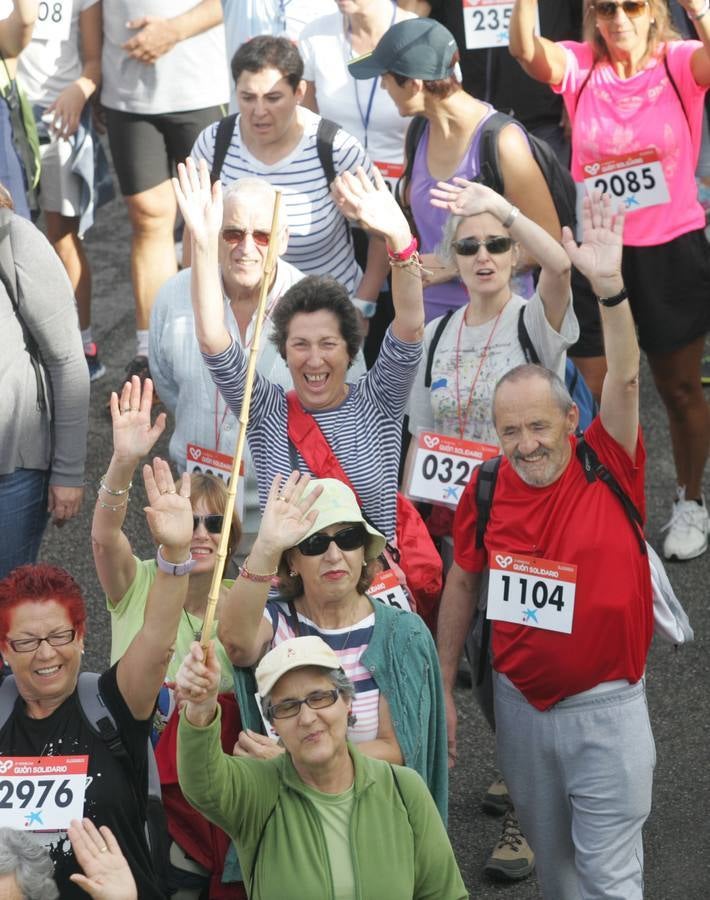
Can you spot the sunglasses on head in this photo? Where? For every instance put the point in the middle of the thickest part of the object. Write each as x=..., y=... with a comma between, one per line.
x=237, y=235
x=469, y=246
x=632, y=8
x=213, y=523
x=350, y=538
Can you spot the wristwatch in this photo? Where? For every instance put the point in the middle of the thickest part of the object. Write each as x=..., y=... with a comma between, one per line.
x=367, y=308
x=183, y=568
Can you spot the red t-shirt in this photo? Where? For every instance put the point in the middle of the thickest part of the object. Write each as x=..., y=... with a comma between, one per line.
x=570, y=521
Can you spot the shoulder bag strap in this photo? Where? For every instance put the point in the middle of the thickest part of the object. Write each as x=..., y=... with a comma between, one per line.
x=222, y=140
x=443, y=322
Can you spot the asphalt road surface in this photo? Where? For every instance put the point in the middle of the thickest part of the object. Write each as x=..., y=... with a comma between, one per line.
x=677, y=835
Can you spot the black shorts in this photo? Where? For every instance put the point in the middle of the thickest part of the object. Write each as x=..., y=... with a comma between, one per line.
x=146, y=148
x=669, y=291
x=586, y=308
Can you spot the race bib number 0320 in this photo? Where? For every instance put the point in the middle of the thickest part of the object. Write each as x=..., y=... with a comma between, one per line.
x=534, y=592
x=486, y=23
x=443, y=467
x=637, y=180
x=42, y=794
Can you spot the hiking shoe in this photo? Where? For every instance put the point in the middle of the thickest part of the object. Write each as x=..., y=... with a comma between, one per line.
x=687, y=529
x=496, y=800
x=511, y=858
x=96, y=368
x=705, y=370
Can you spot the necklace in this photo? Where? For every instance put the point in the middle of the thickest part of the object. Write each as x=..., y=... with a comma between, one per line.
x=463, y=413
x=197, y=632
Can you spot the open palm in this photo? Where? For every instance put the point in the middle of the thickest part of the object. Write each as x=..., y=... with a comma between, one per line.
x=287, y=515
x=371, y=204
x=133, y=434
x=200, y=201
x=169, y=514
x=598, y=257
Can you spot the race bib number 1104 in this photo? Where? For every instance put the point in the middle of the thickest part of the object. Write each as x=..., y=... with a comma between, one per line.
x=534, y=592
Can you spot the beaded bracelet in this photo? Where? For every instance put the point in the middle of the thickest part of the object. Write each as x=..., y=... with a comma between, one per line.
x=104, y=487
x=113, y=508
x=256, y=577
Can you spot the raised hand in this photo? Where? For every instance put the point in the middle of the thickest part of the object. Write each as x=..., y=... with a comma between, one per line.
x=467, y=198
x=200, y=202
x=598, y=257
x=169, y=513
x=133, y=435
x=372, y=205
x=197, y=681
x=255, y=745
x=287, y=515
x=107, y=873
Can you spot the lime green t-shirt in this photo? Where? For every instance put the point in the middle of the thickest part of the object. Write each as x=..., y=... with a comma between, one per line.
x=127, y=620
x=335, y=811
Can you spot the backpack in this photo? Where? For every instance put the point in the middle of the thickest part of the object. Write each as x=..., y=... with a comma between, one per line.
x=558, y=178
x=574, y=380
x=99, y=719
x=670, y=619
x=325, y=135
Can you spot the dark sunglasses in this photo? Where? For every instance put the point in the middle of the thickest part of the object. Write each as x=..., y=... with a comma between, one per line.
x=237, y=235
x=349, y=538
x=469, y=246
x=213, y=523
x=287, y=709
x=29, y=645
x=632, y=8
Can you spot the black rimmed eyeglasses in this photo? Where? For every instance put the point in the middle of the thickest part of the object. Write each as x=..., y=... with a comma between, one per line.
x=287, y=709
x=29, y=645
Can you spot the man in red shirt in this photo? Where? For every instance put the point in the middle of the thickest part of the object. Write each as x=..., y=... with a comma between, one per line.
x=569, y=595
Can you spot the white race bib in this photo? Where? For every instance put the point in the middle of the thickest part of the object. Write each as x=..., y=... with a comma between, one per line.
x=443, y=467
x=387, y=589
x=53, y=21
x=212, y=462
x=391, y=172
x=42, y=794
x=534, y=592
x=486, y=23
x=637, y=180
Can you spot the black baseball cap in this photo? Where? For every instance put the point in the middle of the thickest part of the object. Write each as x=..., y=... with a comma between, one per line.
x=415, y=48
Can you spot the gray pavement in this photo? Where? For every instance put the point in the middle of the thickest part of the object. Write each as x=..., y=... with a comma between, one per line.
x=677, y=837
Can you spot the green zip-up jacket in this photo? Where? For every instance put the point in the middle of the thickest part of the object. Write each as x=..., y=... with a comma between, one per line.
x=402, y=659
x=400, y=849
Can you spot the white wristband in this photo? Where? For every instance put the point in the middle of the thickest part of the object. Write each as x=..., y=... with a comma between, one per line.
x=368, y=308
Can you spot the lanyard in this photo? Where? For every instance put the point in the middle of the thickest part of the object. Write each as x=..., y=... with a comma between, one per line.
x=463, y=414
x=365, y=119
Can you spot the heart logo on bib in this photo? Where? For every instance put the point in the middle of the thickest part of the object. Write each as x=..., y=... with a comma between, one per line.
x=431, y=441
x=592, y=168
x=5, y=766
x=503, y=561
x=195, y=452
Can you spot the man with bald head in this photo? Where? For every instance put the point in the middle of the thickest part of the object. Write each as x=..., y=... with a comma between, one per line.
x=569, y=601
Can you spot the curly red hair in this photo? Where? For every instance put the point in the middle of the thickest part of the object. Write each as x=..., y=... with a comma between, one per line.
x=37, y=584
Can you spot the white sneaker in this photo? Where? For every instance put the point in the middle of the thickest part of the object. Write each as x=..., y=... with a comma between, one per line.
x=688, y=529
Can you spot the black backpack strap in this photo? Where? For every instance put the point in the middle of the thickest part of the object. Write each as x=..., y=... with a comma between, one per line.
x=439, y=330
x=325, y=135
x=675, y=88
x=485, y=489
x=411, y=141
x=524, y=338
x=489, y=172
x=594, y=469
x=583, y=86
x=222, y=140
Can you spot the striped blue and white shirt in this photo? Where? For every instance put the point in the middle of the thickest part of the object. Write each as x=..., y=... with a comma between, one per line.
x=319, y=240
x=364, y=431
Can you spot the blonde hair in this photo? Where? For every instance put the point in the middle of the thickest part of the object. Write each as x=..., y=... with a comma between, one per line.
x=660, y=32
x=214, y=492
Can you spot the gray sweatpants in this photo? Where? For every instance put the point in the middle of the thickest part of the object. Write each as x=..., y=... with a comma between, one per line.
x=580, y=776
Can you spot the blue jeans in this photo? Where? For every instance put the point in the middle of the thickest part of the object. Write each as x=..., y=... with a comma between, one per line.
x=23, y=516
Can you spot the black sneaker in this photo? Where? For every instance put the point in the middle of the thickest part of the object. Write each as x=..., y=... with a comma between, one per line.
x=96, y=368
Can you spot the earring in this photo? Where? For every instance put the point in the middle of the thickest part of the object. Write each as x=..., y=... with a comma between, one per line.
x=352, y=719
x=292, y=573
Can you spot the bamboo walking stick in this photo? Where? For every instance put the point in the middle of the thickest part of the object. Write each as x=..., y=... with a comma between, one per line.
x=213, y=595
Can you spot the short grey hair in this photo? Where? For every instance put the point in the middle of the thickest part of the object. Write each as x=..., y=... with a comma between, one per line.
x=558, y=389
x=258, y=188
x=22, y=856
x=445, y=250
x=340, y=681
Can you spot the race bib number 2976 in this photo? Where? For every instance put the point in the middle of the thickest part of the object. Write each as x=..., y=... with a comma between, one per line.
x=42, y=794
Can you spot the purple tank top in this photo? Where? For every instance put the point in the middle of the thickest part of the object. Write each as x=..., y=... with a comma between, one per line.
x=430, y=220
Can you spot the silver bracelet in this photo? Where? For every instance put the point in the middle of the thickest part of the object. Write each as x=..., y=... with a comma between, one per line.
x=703, y=12
x=514, y=211
x=112, y=508
x=104, y=487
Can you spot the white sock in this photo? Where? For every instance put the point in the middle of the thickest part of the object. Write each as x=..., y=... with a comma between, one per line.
x=141, y=342
x=86, y=337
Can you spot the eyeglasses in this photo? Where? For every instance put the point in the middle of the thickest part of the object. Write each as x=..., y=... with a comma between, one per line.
x=469, y=246
x=632, y=8
x=349, y=538
x=237, y=235
x=29, y=645
x=213, y=523
x=287, y=709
